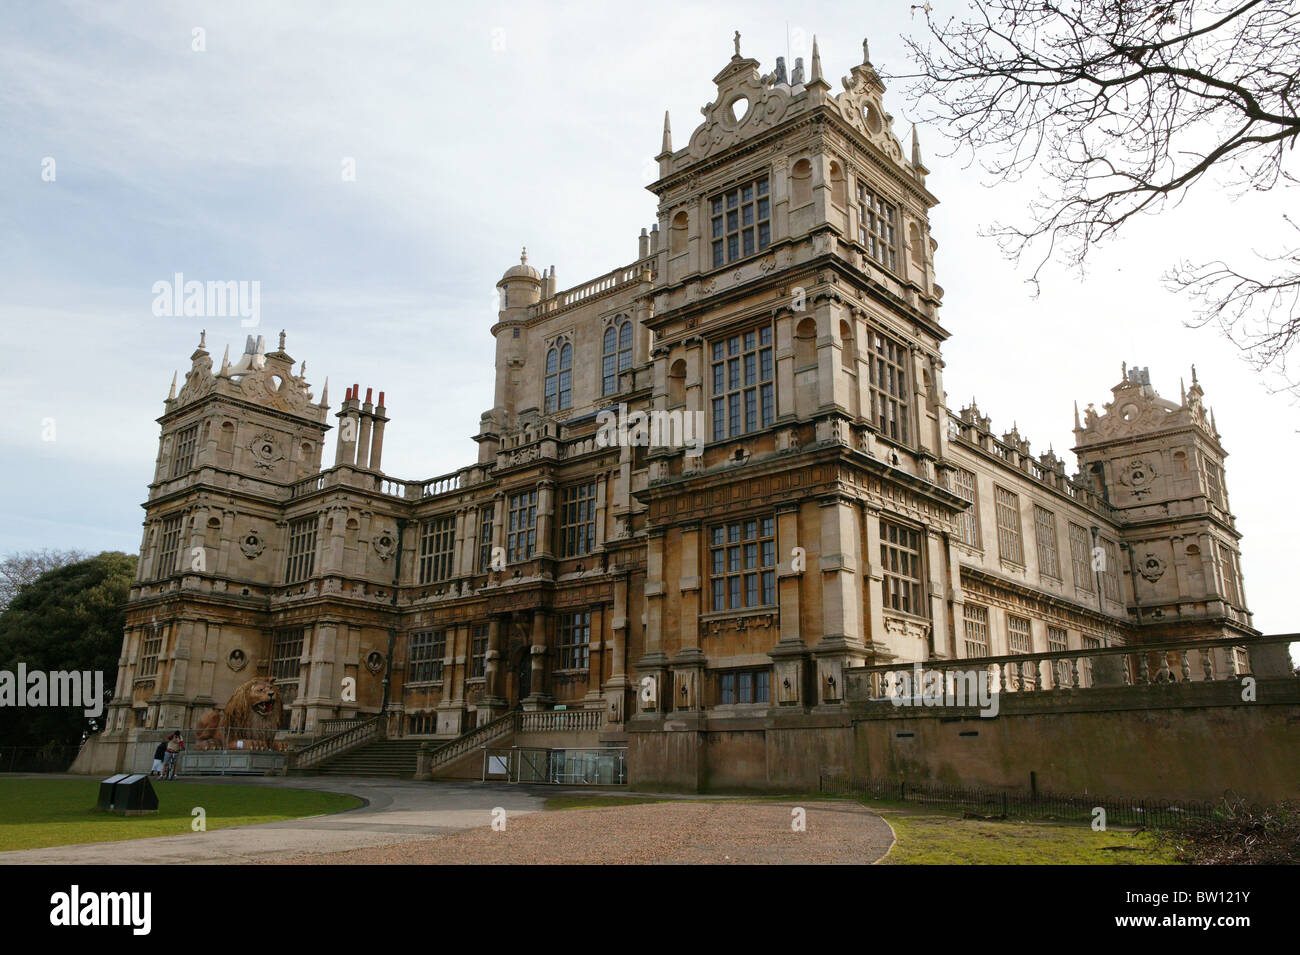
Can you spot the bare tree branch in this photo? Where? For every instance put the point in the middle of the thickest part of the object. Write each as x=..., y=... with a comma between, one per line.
x=1124, y=108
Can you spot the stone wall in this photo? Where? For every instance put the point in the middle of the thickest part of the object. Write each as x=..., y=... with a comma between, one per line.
x=1183, y=741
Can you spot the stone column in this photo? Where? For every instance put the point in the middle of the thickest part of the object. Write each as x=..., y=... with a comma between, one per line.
x=783, y=356
x=229, y=548
x=936, y=554
x=321, y=692
x=493, y=703
x=618, y=685
x=538, y=698
x=171, y=696
x=790, y=655
x=598, y=651
x=654, y=664
x=601, y=508
x=841, y=645
x=545, y=520
x=688, y=663
x=194, y=558
x=451, y=703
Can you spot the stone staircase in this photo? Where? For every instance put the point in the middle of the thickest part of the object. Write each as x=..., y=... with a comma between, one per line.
x=393, y=758
x=362, y=749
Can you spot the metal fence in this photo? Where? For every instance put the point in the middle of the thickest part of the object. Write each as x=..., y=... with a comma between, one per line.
x=1066, y=807
x=597, y=766
x=231, y=751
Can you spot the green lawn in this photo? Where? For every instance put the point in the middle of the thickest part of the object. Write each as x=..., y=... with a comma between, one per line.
x=932, y=837
x=55, y=812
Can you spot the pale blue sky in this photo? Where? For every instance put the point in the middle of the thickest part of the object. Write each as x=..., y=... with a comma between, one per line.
x=476, y=128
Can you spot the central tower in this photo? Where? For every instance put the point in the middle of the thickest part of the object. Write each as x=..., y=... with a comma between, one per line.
x=795, y=309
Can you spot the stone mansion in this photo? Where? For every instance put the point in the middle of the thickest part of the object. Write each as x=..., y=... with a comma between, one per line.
x=835, y=513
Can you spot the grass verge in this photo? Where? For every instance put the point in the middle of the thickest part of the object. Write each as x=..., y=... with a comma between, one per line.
x=36, y=813
x=935, y=837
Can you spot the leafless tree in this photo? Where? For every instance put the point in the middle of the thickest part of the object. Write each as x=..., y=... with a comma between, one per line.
x=20, y=569
x=1124, y=107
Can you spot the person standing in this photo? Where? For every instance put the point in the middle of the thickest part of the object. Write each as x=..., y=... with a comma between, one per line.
x=175, y=745
x=158, y=755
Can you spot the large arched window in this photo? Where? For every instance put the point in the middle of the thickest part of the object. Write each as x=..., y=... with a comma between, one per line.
x=559, y=377
x=616, y=354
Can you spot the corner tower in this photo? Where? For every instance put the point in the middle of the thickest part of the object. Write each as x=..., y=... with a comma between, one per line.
x=1159, y=464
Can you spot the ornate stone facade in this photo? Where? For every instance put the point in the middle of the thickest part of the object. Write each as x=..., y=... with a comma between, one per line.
x=839, y=512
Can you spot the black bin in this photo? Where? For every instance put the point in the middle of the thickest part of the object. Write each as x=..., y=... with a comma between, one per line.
x=106, y=788
x=134, y=793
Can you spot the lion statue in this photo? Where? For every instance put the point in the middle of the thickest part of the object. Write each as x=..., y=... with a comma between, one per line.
x=249, y=720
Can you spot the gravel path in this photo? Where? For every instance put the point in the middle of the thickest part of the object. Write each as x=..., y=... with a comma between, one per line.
x=719, y=833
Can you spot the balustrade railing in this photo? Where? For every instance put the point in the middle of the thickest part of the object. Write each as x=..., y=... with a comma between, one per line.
x=338, y=743
x=597, y=286
x=1190, y=661
x=548, y=721
x=468, y=742
x=542, y=721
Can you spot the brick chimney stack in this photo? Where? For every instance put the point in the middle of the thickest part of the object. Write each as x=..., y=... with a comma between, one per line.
x=377, y=436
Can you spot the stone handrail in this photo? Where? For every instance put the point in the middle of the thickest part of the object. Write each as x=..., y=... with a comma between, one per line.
x=330, y=727
x=546, y=721
x=339, y=743
x=542, y=721
x=1140, y=664
x=467, y=742
x=598, y=286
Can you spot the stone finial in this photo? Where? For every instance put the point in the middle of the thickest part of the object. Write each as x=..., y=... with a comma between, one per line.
x=523, y=256
x=916, y=147
x=282, y=339
x=736, y=41
x=203, y=338
x=816, y=62
x=668, y=135
x=171, y=395
x=866, y=53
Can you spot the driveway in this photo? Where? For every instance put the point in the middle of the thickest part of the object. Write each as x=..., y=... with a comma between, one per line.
x=397, y=811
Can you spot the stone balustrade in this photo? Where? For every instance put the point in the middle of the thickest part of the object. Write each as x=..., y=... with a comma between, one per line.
x=1186, y=661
